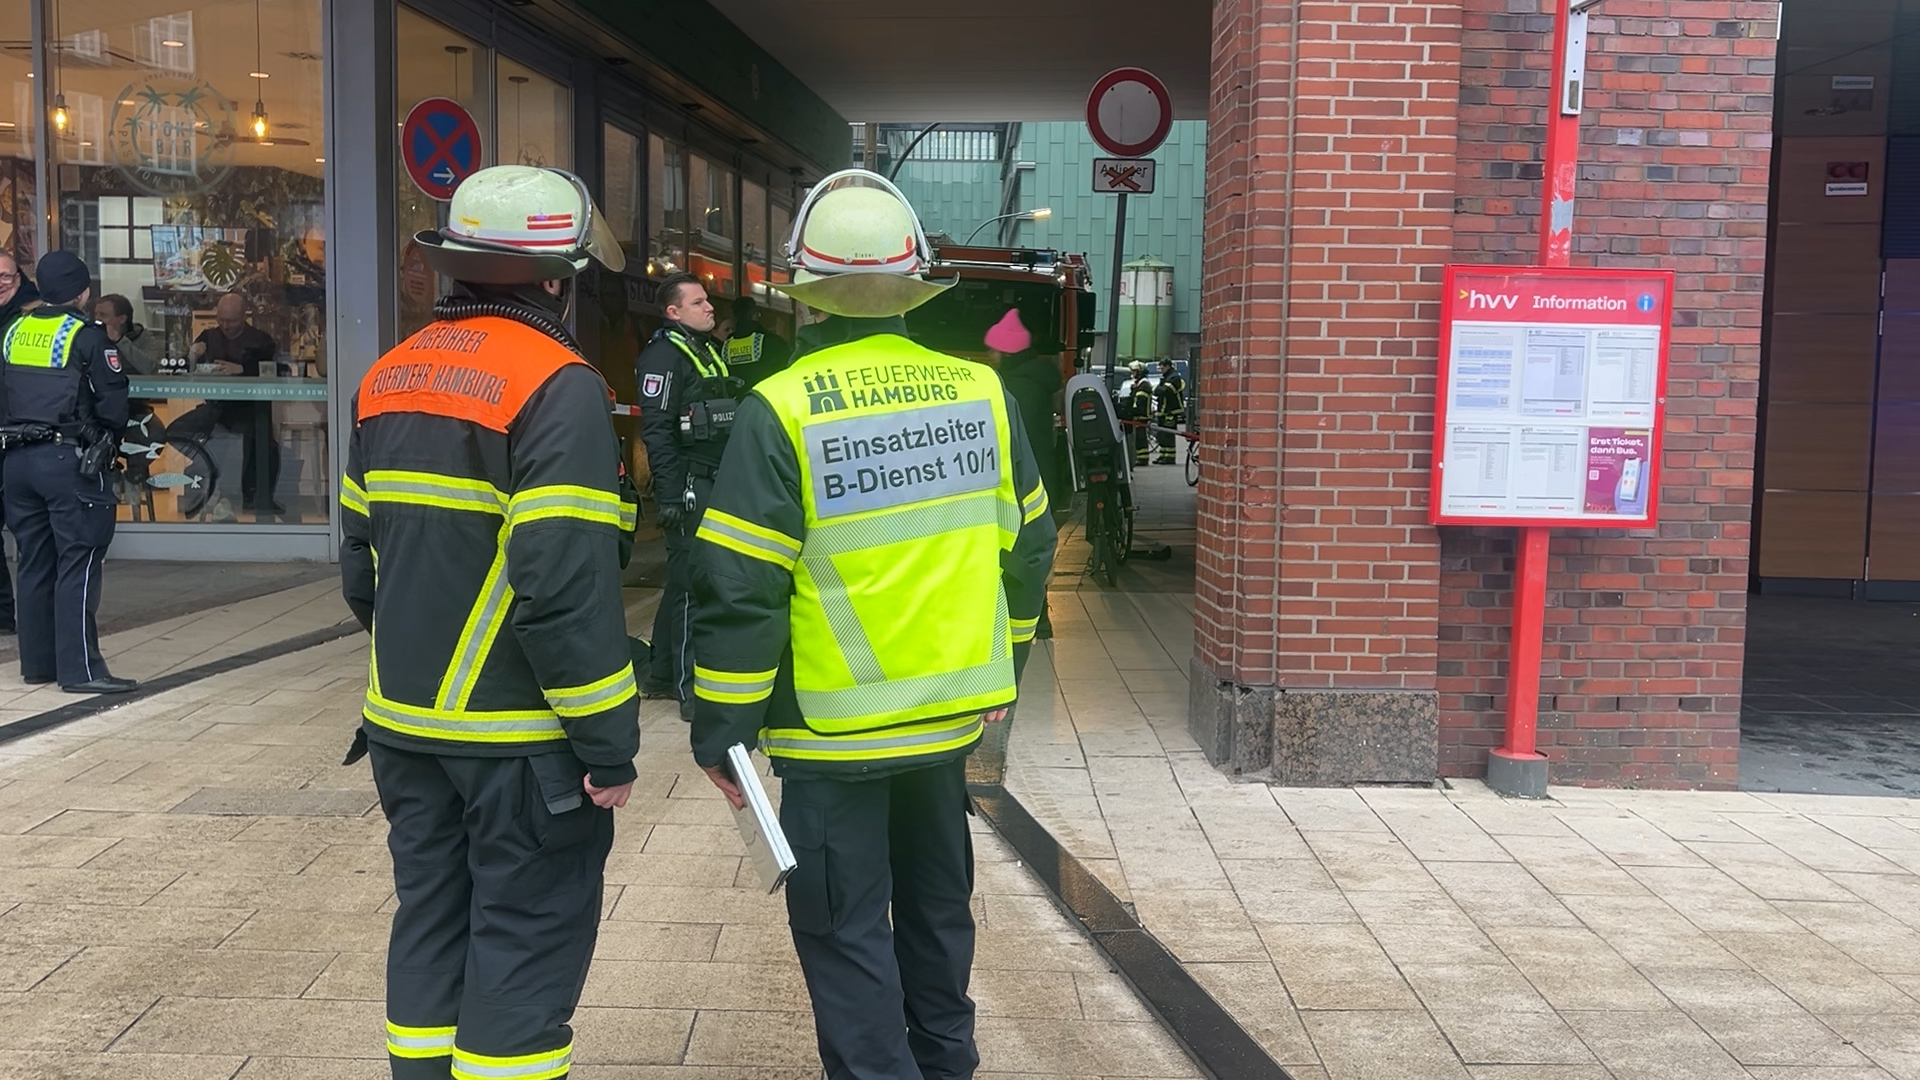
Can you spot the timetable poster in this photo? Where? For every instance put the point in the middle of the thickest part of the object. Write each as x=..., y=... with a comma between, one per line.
x=1552, y=395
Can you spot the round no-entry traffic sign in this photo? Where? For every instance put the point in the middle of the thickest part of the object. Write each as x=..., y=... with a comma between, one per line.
x=440, y=146
x=1129, y=112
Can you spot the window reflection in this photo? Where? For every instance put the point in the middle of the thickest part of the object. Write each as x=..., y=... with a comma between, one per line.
x=535, y=118
x=716, y=225
x=622, y=184
x=193, y=185
x=667, y=211
x=17, y=179
x=433, y=62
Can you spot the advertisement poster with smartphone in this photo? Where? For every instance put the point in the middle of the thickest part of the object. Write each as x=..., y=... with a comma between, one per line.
x=1552, y=396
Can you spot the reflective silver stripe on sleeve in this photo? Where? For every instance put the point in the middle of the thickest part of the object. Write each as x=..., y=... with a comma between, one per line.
x=786, y=553
x=582, y=702
x=609, y=505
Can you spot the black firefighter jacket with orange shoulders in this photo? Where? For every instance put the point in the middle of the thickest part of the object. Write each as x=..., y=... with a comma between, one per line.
x=483, y=527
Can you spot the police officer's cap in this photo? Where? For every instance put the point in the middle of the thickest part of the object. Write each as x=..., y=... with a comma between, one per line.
x=62, y=277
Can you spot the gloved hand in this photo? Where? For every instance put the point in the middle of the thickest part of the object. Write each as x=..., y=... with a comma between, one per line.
x=672, y=515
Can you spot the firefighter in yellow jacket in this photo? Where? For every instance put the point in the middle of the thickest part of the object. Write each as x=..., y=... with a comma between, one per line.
x=867, y=582
x=484, y=527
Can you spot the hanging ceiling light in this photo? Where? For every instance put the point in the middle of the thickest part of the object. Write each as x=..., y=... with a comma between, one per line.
x=60, y=117
x=259, y=72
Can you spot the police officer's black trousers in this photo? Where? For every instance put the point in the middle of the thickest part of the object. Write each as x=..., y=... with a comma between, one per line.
x=889, y=999
x=499, y=908
x=6, y=572
x=63, y=524
x=672, y=661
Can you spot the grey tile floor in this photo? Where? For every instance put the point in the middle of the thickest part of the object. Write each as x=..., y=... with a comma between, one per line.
x=192, y=888
x=1447, y=932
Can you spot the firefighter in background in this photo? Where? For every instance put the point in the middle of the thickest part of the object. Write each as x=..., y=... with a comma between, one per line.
x=1169, y=412
x=1140, y=410
x=862, y=633
x=688, y=394
x=484, y=529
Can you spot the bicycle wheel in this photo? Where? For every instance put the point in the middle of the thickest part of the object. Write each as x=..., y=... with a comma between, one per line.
x=187, y=471
x=1112, y=555
x=1193, y=463
x=1120, y=522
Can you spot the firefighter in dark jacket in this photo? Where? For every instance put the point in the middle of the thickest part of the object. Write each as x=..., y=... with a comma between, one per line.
x=484, y=526
x=1169, y=412
x=65, y=398
x=1140, y=410
x=867, y=582
x=687, y=399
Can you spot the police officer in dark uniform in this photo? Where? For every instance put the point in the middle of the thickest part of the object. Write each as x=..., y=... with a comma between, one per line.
x=687, y=398
x=754, y=352
x=66, y=402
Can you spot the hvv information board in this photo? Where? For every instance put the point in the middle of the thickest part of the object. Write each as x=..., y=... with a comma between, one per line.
x=1552, y=395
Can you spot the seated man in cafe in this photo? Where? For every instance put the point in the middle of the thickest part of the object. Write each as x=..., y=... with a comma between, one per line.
x=236, y=347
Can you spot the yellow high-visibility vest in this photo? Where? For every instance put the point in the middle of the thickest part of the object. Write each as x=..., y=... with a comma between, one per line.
x=900, y=631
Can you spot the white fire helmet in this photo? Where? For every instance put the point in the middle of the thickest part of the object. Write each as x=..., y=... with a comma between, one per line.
x=858, y=249
x=520, y=225
x=1138, y=367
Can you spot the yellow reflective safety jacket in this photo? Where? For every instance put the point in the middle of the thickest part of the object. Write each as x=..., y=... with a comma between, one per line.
x=482, y=518
x=869, y=574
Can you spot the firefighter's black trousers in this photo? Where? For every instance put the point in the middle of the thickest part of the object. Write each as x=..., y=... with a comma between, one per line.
x=889, y=998
x=498, y=863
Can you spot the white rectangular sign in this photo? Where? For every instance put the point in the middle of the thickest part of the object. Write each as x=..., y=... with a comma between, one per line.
x=1551, y=396
x=1123, y=176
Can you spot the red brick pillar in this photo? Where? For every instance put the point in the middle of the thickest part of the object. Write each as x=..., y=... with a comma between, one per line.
x=1331, y=171
x=1645, y=634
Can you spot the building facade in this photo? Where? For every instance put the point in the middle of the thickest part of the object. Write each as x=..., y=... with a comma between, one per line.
x=957, y=188
x=229, y=148
x=1353, y=151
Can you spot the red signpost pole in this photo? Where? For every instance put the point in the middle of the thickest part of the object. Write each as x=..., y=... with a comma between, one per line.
x=1517, y=767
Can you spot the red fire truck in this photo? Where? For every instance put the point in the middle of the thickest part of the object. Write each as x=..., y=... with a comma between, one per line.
x=1053, y=290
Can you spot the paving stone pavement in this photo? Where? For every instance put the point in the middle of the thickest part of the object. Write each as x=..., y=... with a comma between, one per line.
x=193, y=888
x=1399, y=933
x=185, y=641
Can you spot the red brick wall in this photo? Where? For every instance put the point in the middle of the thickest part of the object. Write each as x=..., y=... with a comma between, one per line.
x=1329, y=215
x=1235, y=579
x=1645, y=633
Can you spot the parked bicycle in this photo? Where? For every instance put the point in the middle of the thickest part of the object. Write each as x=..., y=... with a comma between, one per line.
x=169, y=458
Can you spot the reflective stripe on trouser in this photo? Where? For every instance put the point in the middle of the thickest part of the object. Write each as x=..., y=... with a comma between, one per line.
x=1165, y=441
x=499, y=908
x=868, y=849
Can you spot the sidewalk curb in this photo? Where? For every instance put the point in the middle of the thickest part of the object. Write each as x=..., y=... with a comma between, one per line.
x=1215, y=1042
x=101, y=703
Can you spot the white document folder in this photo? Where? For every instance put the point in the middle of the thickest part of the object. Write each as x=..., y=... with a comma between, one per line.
x=759, y=822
